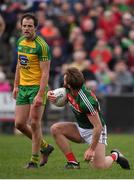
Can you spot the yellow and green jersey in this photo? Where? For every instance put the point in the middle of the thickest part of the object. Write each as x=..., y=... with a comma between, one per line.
x=30, y=53
x=84, y=103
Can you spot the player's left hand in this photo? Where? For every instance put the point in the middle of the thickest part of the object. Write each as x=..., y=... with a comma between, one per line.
x=51, y=96
x=89, y=155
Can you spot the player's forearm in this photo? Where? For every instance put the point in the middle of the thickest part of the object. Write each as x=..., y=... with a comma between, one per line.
x=43, y=83
x=17, y=77
x=96, y=136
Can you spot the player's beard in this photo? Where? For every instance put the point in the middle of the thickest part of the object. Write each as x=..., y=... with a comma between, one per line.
x=31, y=36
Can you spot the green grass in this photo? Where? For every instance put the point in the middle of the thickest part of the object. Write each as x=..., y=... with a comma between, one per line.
x=15, y=152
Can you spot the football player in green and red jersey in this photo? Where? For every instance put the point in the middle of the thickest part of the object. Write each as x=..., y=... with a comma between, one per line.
x=90, y=127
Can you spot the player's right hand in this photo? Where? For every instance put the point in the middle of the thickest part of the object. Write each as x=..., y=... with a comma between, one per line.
x=89, y=154
x=51, y=96
x=15, y=92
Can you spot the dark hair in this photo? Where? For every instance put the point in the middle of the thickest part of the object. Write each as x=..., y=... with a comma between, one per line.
x=30, y=16
x=74, y=78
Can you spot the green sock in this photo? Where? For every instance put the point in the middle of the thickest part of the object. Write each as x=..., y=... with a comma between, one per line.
x=35, y=158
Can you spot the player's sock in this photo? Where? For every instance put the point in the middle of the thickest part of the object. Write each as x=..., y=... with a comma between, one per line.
x=44, y=144
x=114, y=156
x=35, y=158
x=70, y=157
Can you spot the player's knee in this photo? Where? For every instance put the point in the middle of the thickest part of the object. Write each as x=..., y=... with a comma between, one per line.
x=19, y=125
x=34, y=125
x=34, y=116
x=55, y=129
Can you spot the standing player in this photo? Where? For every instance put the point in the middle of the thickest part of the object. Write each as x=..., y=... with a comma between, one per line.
x=90, y=126
x=30, y=87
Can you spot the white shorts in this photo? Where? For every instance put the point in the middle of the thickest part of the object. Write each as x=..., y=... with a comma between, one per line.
x=87, y=135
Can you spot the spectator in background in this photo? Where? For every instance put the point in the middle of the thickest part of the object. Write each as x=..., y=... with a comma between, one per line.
x=108, y=22
x=128, y=41
x=88, y=4
x=116, y=56
x=71, y=21
x=55, y=8
x=4, y=83
x=103, y=78
x=9, y=12
x=56, y=63
x=100, y=34
x=16, y=34
x=117, y=38
x=65, y=7
x=42, y=19
x=49, y=31
x=94, y=66
x=79, y=43
x=124, y=78
x=127, y=20
x=101, y=49
x=130, y=58
x=79, y=60
x=116, y=12
x=2, y=26
x=88, y=27
x=75, y=32
x=78, y=10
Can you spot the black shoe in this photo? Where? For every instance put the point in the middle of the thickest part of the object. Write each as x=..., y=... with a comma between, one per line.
x=45, y=152
x=31, y=165
x=72, y=165
x=121, y=160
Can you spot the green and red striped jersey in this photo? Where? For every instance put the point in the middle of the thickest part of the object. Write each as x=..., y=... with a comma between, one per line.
x=82, y=104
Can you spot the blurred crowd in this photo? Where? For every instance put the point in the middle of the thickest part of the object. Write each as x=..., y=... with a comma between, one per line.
x=96, y=36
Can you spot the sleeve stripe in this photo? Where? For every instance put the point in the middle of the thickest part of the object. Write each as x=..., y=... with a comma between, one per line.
x=43, y=47
x=87, y=102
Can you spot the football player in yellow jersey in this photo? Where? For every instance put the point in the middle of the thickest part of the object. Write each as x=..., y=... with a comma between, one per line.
x=30, y=88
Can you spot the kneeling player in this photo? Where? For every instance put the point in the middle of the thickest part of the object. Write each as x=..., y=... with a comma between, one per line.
x=90, y=126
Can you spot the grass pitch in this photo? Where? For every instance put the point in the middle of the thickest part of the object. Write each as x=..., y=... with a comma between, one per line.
x=15, y=152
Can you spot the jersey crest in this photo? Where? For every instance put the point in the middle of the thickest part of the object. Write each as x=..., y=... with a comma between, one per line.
x=23, y=60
